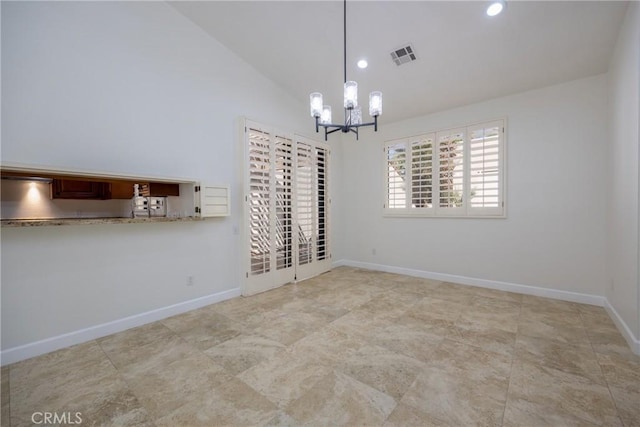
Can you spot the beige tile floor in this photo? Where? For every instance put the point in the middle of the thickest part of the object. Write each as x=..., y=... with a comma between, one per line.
x=350, y=347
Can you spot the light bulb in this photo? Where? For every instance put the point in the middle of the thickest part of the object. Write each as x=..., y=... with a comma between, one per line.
x=363, y=63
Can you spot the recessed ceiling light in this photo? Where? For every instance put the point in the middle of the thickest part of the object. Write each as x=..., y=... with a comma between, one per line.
x=362, y=64
x=495, y=8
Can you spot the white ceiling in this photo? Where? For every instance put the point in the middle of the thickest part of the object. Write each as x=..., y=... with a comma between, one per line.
x=464, y=56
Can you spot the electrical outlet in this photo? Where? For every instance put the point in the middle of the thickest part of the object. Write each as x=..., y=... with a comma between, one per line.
x=191, y=281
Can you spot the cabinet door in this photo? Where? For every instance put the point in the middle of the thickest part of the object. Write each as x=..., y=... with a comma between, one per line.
x=72, y=189
x=212, y=200
x=159, y=189
x=121, y=190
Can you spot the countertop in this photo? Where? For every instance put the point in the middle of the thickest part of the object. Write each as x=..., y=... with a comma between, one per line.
x=90, y=221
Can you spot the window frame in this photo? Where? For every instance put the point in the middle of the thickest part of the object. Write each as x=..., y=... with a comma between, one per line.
x=434, y=210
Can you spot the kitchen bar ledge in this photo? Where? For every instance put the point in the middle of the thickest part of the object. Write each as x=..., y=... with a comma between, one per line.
x=6, y=223
x=191, y=197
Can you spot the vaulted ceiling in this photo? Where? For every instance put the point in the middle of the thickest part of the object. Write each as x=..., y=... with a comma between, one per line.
x=464, y=56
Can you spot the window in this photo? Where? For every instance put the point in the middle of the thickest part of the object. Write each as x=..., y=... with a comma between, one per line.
x=455, y=172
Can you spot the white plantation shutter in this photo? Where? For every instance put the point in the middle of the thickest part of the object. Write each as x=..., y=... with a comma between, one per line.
x=312, y=207
x=485, y=168
x=284, y=202
x=451, y=169
x=396, y=166
x=304, y=188
x=259, y=199
x=321, y=204
x=456, y=172
x=422, y=171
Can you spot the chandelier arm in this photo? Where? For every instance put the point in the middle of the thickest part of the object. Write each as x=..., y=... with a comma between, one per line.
x=355, y=130
x=337, y=128
x=363, y=125
x=331, y=125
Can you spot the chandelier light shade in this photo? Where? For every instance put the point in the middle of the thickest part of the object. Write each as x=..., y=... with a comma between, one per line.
x=375, y=103
x=315, y=100
x=352, y=112
x=356, y=116
x=325, y=118
x=350, y=95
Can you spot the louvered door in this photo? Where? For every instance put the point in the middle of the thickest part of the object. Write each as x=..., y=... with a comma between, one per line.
x=312, y=208
x=269, y=209
x=286, y=208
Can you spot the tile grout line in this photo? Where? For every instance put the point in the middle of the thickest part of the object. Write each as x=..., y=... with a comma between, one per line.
x=513, y=357
x=129, y=385
x=9, y=392
x=595, y=353
x=124, y=380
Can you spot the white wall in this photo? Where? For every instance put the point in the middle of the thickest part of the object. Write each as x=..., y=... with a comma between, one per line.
x=624, y=73
x=554, y=235
x=136, y=88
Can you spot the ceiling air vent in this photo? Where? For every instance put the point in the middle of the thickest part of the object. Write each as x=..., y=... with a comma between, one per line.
x=403, y=55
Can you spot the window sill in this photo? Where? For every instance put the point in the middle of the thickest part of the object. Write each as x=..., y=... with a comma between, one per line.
x=452, y=216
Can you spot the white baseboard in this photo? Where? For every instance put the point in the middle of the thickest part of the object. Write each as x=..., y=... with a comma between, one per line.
x=482, y=283
x=622, y=326
x=38, y=348
x=581, y=298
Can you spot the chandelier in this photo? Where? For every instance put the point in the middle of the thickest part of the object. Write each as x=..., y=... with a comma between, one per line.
x=352, y=112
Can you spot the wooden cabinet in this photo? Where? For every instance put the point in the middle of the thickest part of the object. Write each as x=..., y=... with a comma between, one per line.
x=76, y=189
x=92, y=189
x=159, y=189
